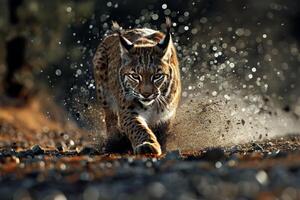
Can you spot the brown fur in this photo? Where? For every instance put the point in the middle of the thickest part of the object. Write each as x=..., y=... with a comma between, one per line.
x=125, y=81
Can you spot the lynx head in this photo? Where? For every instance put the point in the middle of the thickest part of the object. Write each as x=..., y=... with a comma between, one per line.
x=146, y=70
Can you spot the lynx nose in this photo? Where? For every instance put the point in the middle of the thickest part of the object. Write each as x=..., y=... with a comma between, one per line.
x=146, y=91
x=149, y=96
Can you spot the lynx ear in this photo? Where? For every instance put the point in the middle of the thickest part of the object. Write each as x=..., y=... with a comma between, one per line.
x=125, y=47
x=164, y=43
x=125, y=43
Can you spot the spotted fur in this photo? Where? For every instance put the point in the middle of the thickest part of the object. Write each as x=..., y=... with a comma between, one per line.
x=138, y=86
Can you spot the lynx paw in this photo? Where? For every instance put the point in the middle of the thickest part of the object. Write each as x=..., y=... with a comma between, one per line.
x=148, y=148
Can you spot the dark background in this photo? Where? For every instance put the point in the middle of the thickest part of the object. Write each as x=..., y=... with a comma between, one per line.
x=226, y=47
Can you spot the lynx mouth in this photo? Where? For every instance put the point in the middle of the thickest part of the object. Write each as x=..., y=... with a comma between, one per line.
x=146, y=102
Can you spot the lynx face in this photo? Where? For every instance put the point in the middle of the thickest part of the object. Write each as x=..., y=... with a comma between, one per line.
x=145, y=73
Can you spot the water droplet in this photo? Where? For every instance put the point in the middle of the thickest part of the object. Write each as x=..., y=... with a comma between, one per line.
x=58, y=72
x=155, y=16
x=262, y=177
x=69, y=9
x=109, y=4
x=164, y=6
x=218, y=164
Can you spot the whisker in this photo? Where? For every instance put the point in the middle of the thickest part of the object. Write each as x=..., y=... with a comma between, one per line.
x=162, y=98
x=162, y=103
x=159, y=104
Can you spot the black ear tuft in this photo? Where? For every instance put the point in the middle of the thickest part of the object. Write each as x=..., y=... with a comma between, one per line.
x=116, y=27
x=164, y=43
x=126, y=43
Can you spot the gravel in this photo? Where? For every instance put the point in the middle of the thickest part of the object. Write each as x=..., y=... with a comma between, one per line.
x=262, y=170
x=55, y=165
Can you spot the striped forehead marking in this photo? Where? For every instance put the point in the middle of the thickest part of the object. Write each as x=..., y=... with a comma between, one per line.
x=145, y=59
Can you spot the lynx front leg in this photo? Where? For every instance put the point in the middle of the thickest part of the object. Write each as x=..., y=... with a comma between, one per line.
x=140, y=135
x=161, y=132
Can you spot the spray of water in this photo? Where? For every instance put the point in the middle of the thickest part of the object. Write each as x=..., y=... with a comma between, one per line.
x=205, y=122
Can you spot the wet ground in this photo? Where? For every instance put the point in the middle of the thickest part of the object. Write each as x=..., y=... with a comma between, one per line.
x=54, y=164
x=252, y=171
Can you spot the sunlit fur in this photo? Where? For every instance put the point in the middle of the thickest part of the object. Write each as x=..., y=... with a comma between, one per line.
x=139, y=88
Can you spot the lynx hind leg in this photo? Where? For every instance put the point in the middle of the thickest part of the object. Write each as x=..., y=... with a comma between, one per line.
x=100, y=74
x=116, y=142
x=111, y=121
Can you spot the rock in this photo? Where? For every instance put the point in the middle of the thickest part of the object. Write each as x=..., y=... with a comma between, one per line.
x=213, y=154
x=157, y=190
x=36, y=149
x=173, y=155
x=91, y=193
x=243, y=122
x=88, y=151
x=8, y=152
x=280, y=154
x=235, y=149
x=23, y=154
x=257, y=147
x=61, y=146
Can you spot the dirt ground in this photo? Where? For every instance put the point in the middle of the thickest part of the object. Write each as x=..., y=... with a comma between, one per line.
x=43, y=159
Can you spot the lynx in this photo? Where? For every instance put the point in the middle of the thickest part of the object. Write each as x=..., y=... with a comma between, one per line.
x=138, y=86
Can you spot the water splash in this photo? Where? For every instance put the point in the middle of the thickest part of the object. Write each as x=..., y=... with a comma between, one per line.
x=204, y=122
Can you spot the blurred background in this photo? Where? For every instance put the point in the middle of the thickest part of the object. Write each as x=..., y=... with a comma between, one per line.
x=226, y=48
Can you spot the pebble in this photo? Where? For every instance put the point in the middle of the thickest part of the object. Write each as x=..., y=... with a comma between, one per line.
x=257, y=147
x=213, y=154
x=37, y=150
x=88, y=151
x=61, y=146
x=173, y=155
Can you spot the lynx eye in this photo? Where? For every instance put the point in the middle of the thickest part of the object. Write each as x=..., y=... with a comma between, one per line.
x=135, y=76
x=157, y=77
